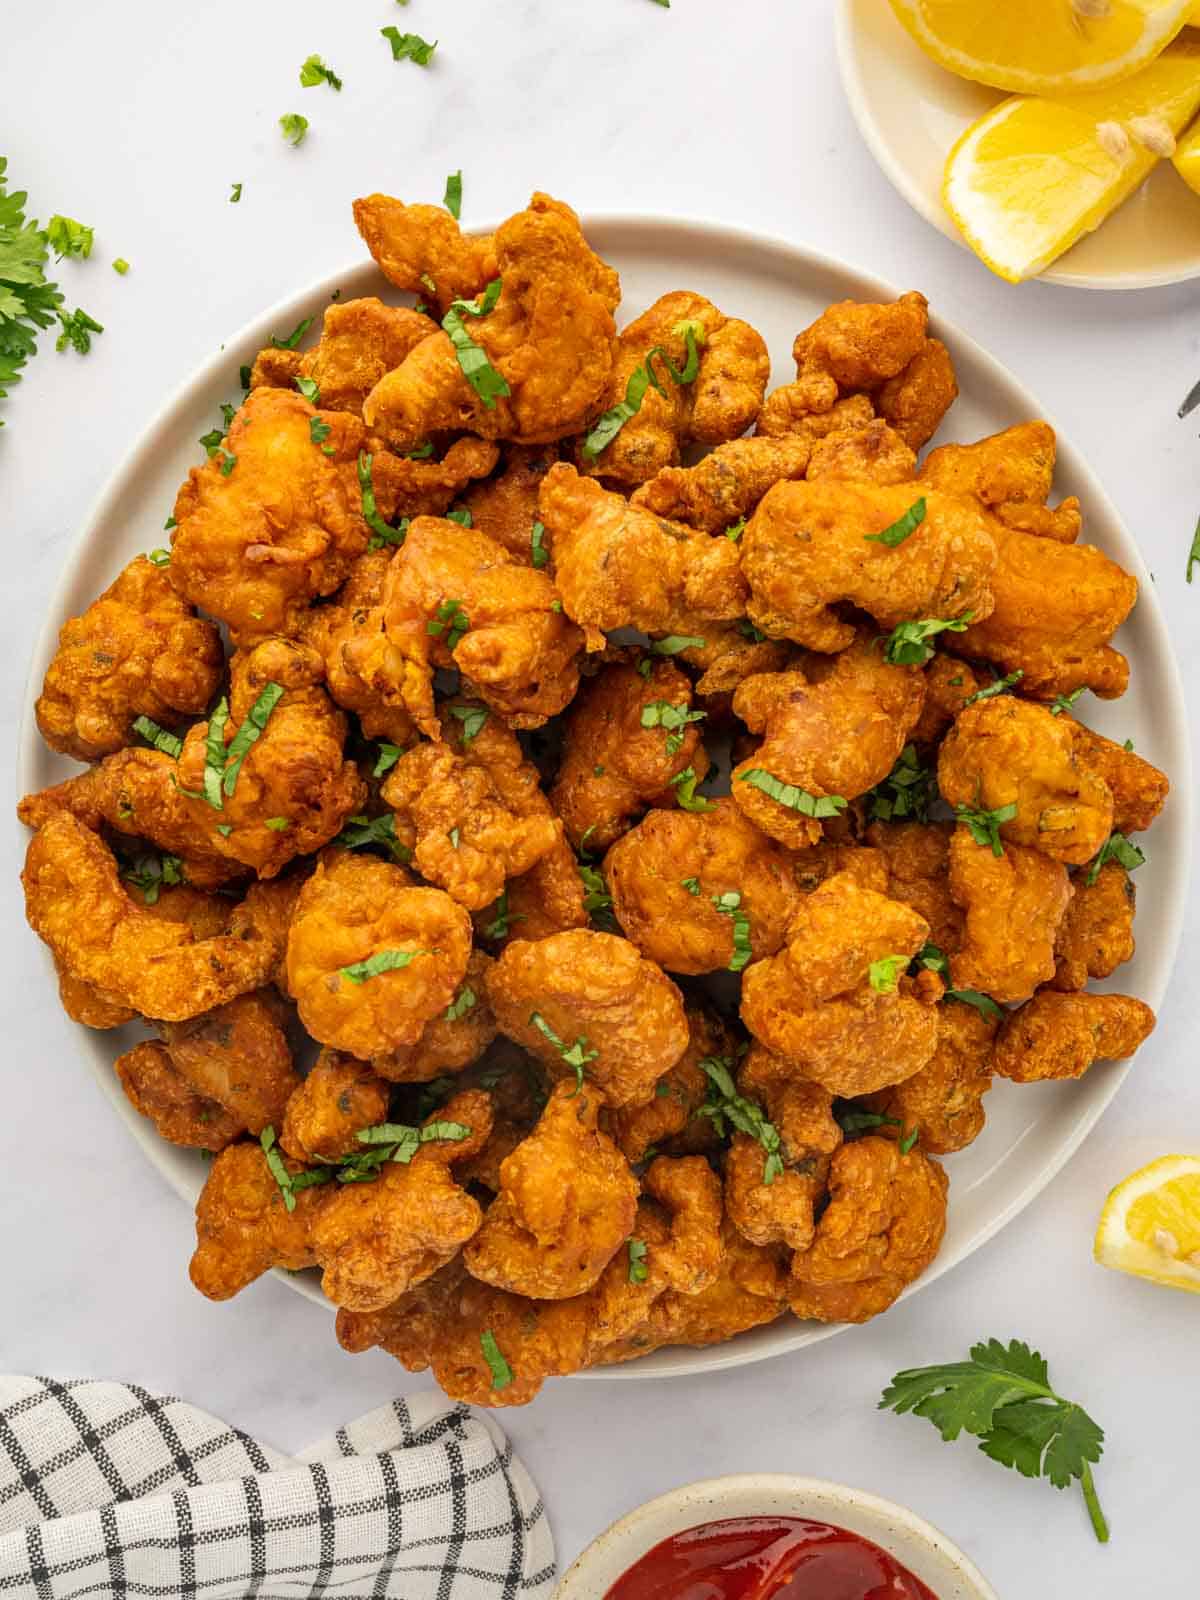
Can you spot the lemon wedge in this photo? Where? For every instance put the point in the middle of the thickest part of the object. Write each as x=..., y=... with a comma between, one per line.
x=1033, y=176
x=1187, y=158
x=1150, y=1225
x=1044, y=46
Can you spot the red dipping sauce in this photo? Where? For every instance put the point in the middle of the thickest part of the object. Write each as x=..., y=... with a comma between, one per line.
x=768, y=1558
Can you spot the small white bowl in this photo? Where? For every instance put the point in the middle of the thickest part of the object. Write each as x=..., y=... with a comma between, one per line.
x=914, y=1543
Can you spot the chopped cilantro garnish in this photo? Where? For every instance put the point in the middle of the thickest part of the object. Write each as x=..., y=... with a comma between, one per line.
x=984, y=826
x=278, y=1170
x=502, y=1374
x=537, y=545
x=883, y=975
x=932, y=959
x=576, y=1055
x=452, y=199
x=983, y=1003
x=235, y=194
x=662, y=714
x=472, y=719
x=389, y=754
x=907, y=791
x=77, y=330
x=381, y=961
x=735, y=530
x=473, y=361
x=293, y=339
x=409, y=46
x=1065, y=702
x=1119, y=849
x=640, y=379
x=498, y=927
x=150, y=873
x=227, y=463
x=729, y=905
x=684, y=784
x=462, y=516
x=463, y=1002
x=160, y=557
x=727, y=1108
x=674, y=643
x=120, y=265
x=214, y=755
x=66, y=237
x=898, y=531
x=277, y=824
x=1000, y=686
x=169, y=743
x=637, y=1261
x=313, y=71
x=381, y=532
x=294, y=127
x=318, y=431
x=450, y=619
x=906, y=645
x=363, y=832
x=796, y=799
x=309, y=388
x=692, y=885
x=248, y=733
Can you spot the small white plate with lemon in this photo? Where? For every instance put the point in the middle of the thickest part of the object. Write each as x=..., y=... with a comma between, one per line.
x=1105, y=86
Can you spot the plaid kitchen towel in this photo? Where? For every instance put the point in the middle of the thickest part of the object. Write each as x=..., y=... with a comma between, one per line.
x=111, y=1492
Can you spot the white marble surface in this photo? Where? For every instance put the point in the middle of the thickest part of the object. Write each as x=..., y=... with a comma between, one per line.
x=137, y=117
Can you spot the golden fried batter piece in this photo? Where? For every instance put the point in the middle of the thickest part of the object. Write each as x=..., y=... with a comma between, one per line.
x=1061, y=1035
x=332, y=629
x=243, y=1227
x=1139, y=790
x=917, y=860
x=75, y=903
x=1096, y=935
x=949, y=684
x=376, y=1240
x=519, y=1093
x=834, y=728
x=423, y=486
x=944, y=1101
x=360, y=341
x=415, y=246
x=1011, y=473
x=86, y=1004
x=874, y=454
x=881, y=1229
x=238, y=1055
x=726, y=485
x=452, y=1040
x=370, y=959
x=858, y=345
x=811, y=546
x=868, y=868
x=805, y=409
x=780, y=1211
x=550, y=336
x=672, y=1122
x=1056, y=608
x=918, y=397
x=256, y=542
x=547, y=899
x=719, y=404
x=668, y=877
x=814, y=1005
x=566, y=1204
x=801, y=1111
x=595, y=988
x=1013, y=905
x=618, y=565
x=475, y=813
x=180, y=1116
x=323, y=1114
x=138, y=650
x=1008, y=752
x=453, y=597
x=505, y=507
x=730, y=652
x=613, y=767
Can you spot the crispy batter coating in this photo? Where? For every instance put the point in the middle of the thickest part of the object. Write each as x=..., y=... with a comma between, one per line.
x=814, y=1005
x=238, y=1055
x=874, y=454
x=452, y=1040
x=1096, y=935
x=726, y=485
x=1013, y=905
x=566, y=1204
x=547, y=899
x=376, y=1240
x=810, y=409
x=918, y=397
x=324, y=1113
x=1006, y=751
x=256, y=543
x=519, y=1093
x=949, y=684
x=732, y=651
x=415, y=244
x=613, y=768
x=86, y=1004
x=75, y=903
x=1011, y=473
x=667, y=877
x=860, y=345
x=944, y=1101
x=243, y=1227
x=505, y=507
x=356, y=908
x=618, y=565
x=881, y=1229
x=917, y=858
x=1061, y=1035
x=180, y=1115
x=475, y=813
x=595, y=987
x=834, y=728
x=453, y=597
x=551, y=337
x=780, y=1212
x=1056, y=608
x=823, y=860
x=331, y=629
x=672, y=1122
x=360, y=341
x=138, y=650
x=801, y=1111
x=1139, y=790
x=719, y=404
x=809, y=547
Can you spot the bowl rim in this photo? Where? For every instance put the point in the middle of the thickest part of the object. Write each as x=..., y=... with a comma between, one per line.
x=639, y=1530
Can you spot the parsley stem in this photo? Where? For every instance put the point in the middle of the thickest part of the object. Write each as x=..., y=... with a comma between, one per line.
x=1092, y=1500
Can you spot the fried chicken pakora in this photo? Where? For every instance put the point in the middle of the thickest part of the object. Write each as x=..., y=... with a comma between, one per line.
x=360, y=341
x=1061, y=1035
x=726, y=485
x=1013, y=904
x=944, y=1100
x=1096, y=935
x=324, y=1114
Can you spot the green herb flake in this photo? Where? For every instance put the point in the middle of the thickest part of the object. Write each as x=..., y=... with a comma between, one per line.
x=735, y=530
x=450, y=619
x=884, y=975
x=932, y=959
x=896, y=533
x=983, y=1003
x=293, y=339
x=235, y=194
x=1066, y=702
x=66, y=237
x=729, y=904
x=502, y=1373
x=908, y=1142
x=727, y=1109
x=452, y=199
x=276, y=1167
x=692, y=885
x=294, y=127
x=389, y=754
x=907, y=791
x=409, y=46
x=538, y=553
x=364, y=832
x=248, y=733
x=461, y=515
x=277, y=824
x=227, y=463
x=381, y=532
x=149, y=874
x=313, y=71
x=169, y=743
x=684, y=784
x=214, y=755
x=575, y=1056
x=382, y=961
x=499, y=925
x=1000, y=686
x=984, y=826
x=159, y=557
x=675, y=643
x=77, y=330
x=787, y=794
x=120, y=266
x=463, y=1002
x=642, y=378
x=309, y=388
x=473, y=361
x=1119, y=849
x=906, y=645
x=637, y=1261
x=672, y=718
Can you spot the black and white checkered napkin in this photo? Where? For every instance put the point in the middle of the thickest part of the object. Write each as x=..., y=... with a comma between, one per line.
x=110, y=1492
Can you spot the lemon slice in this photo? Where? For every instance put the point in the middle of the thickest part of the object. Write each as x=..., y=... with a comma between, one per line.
x=1044, y=46
x=1187, y=158
x=1150, y=1225
x=1032, y=176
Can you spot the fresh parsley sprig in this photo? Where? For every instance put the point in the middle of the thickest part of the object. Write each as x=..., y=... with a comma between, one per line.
x=999, y=686
x=726, y=1108
x=907, y=646
x=1002, y=1395
x=984, y=826
x=149, y=874
x=28, y=301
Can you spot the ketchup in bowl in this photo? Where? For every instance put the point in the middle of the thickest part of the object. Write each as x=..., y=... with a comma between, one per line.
x=768, y=1558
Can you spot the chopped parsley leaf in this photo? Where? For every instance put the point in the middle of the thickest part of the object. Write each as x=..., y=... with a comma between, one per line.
x=473, y=361
x=498, y=927
x=389, y=754
x=450, y=619
x=932, y=959
x=66, y=237
x=735, y=530
x=728, y=1109
x=640, y=379
x=159, y=557
x=381, y=961
x=150, y=873
x=77, y=330
x=462, y=516
x=248, y=733
x=674, y=719
x=169, y=743
x=984, y=826
x=236, y=194
x=537, y=545
x=692, y=885
x=884, y=975
x=637, y=1261
x=313, y=71
x=896, y=533
x=576, y=1055
x=796, y=799
x=729, y=905
x=363, y=832
x=1119, y=849
x=1000, y=686
x=684, y=784
x=452, y=199
x=294, y=127
x=381, y=532
x=472, y=719
x=409, y=46
x=318, y=431
x=277, y=824
x=674, y=643
x=120, y=265
x=502, y=1373
x=1065, y=702
x=293, y=338
x=278, y=1170
x=907, y=791
x=983, y=1003
x=906, y=645
x=463, y=1002
x=309, y=388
